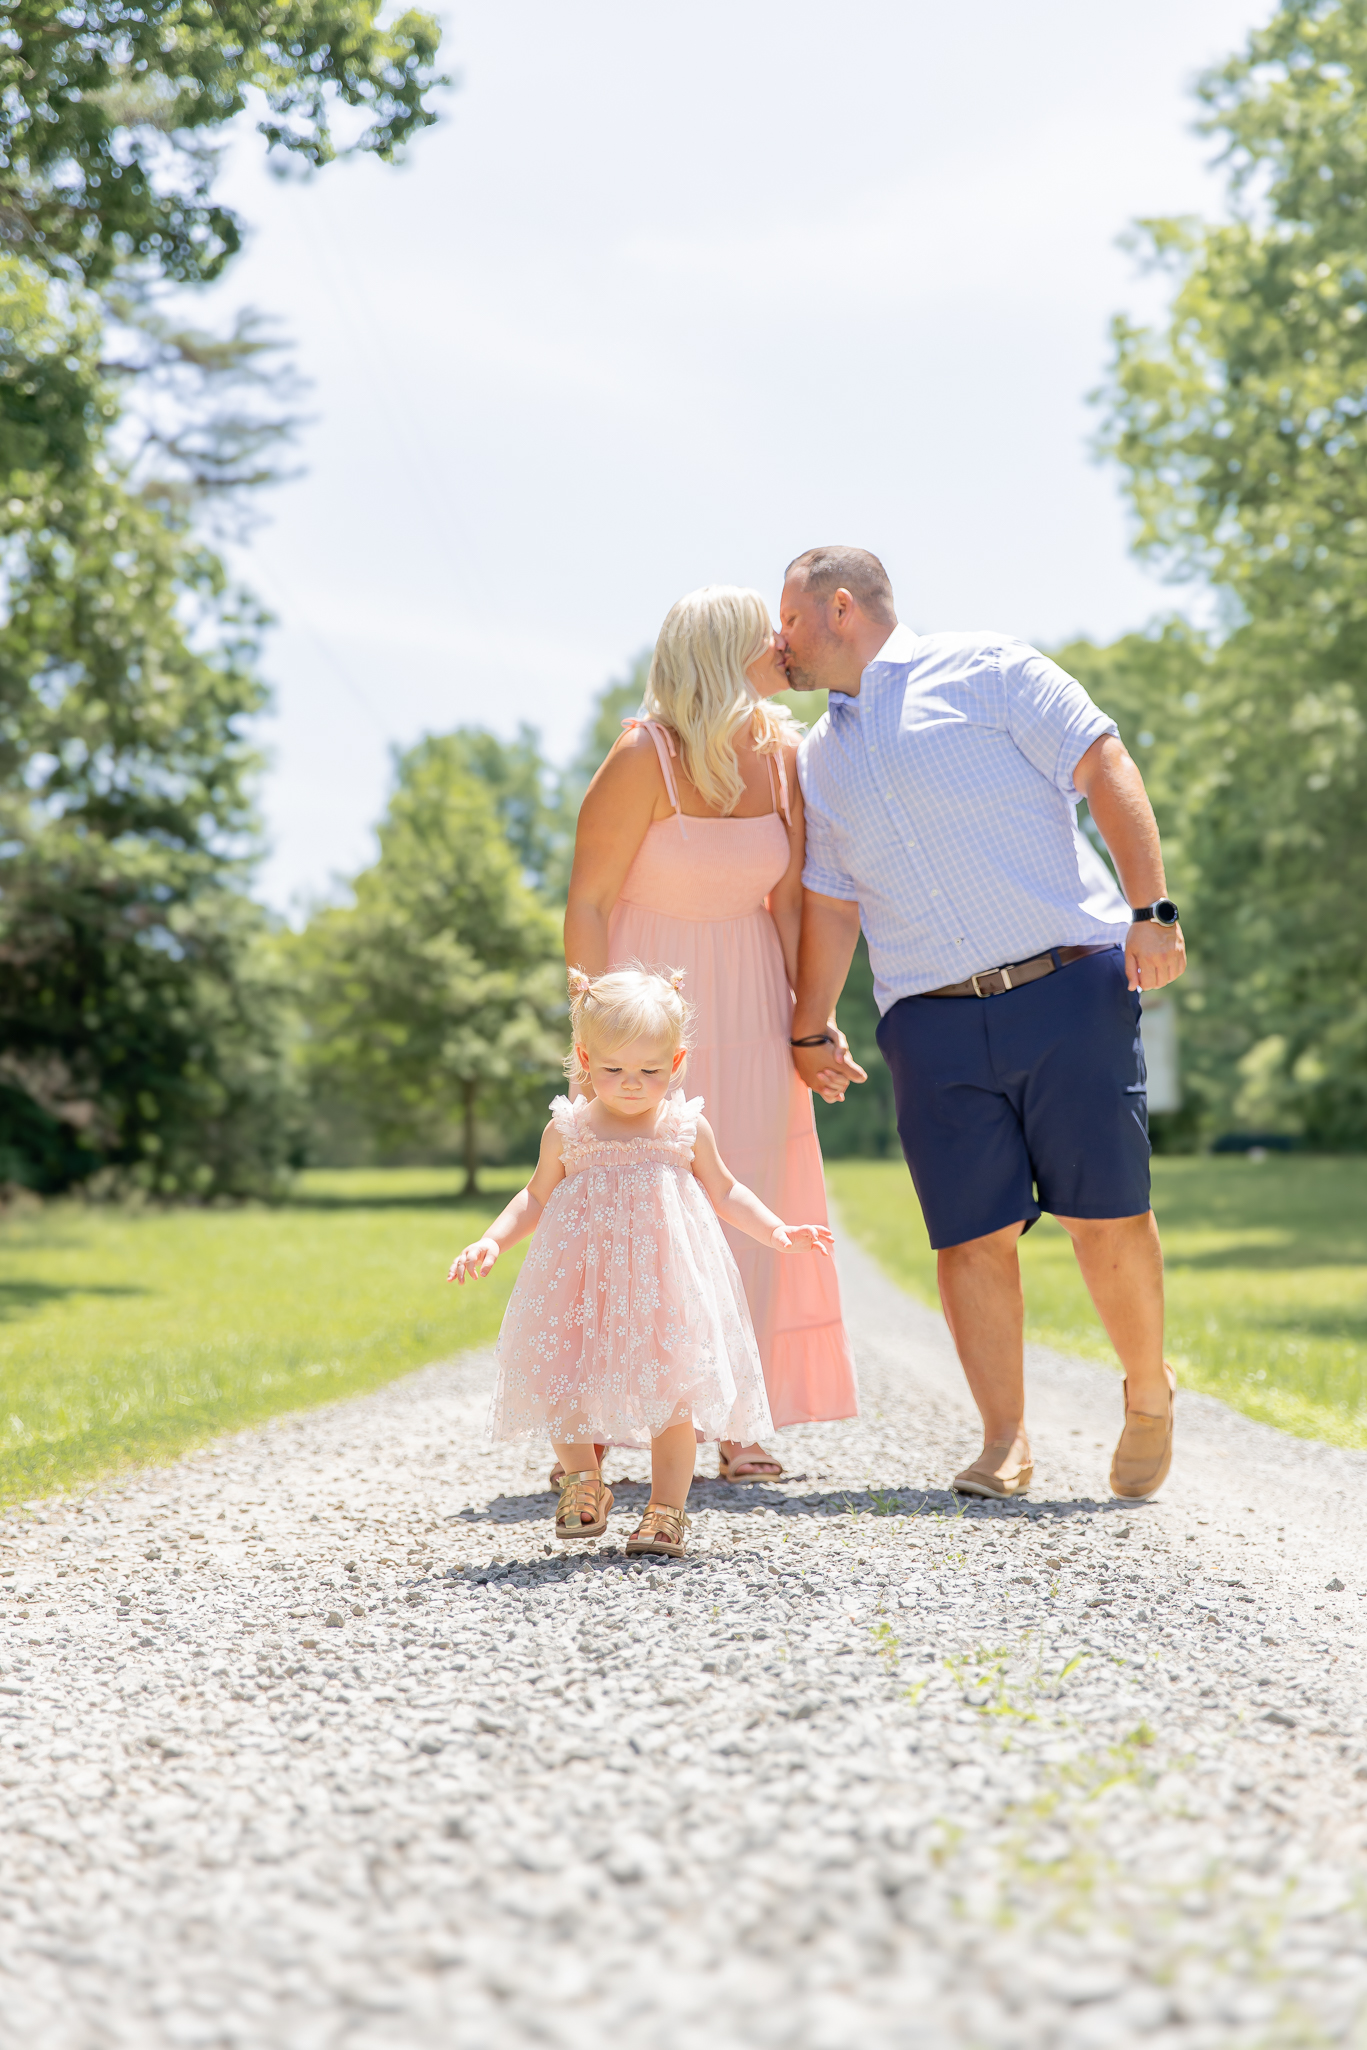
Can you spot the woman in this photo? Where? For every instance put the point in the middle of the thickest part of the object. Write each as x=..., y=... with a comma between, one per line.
x=689, y=855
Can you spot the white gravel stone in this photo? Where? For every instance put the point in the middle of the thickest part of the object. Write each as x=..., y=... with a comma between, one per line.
x=317, y=1740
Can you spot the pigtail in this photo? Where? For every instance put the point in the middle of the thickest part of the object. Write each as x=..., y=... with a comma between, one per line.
x=625, y=1004
x=580, y=986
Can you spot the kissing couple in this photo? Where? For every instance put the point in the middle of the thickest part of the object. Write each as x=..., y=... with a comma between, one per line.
x=935, y=806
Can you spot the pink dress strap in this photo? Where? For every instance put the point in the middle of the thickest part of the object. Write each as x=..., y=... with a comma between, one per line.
x=664, y=748
x=778, y=782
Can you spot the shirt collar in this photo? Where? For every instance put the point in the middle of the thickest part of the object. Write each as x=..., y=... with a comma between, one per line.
x=898, y=648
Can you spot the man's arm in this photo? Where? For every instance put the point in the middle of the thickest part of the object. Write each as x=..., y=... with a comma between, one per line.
x=1118, y=801
x=830, y=927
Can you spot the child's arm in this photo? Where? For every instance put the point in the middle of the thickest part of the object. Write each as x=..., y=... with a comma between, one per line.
x=735, y=1204
x=521, y=1217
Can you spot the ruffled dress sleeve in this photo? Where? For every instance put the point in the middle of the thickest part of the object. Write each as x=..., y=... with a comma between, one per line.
x=684, y=1125
x=563, y=1116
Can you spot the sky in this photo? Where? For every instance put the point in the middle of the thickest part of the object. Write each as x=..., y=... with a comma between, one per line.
x=669, y=295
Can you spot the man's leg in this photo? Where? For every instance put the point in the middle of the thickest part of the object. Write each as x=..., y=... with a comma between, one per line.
x=963, y=1142
x=980, y=1291
x=1122, y=1265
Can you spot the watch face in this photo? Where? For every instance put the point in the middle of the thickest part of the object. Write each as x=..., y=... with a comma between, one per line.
x=1165, y=912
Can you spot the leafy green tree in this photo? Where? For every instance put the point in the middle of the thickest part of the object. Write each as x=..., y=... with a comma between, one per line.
x=527, y=797
x=1240, y=423
x=436, y=998
x=140, y=1025
x=142, y=1017
x=108, y=109
x=1240, y=428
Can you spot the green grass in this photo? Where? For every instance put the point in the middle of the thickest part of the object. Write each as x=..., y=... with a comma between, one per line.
x=129, y=1335
x=1266, y=1279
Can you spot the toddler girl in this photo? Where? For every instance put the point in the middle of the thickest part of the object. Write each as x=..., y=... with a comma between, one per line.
x=628, y=1324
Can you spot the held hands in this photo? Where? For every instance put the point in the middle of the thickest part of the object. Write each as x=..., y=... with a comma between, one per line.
x=829, y=1069
x=1154, y=955
x=819, y=1238
x=475, y=1261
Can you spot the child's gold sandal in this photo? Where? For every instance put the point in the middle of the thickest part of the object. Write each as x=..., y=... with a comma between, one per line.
x=661, y=1532
x=580, y=1492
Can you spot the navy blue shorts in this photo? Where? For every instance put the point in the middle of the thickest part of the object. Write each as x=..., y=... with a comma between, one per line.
x=1032, y=1100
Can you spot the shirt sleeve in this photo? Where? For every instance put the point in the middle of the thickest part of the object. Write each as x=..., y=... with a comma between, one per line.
x=1049, y=715
x=821, y=870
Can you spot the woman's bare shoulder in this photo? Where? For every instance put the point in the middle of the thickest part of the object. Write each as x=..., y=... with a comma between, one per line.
x=630, y=764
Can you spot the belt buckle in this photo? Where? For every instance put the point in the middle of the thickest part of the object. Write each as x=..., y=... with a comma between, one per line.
x=1005, y=975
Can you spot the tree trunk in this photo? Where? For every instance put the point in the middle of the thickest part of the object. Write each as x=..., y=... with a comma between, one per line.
x=471, y=1144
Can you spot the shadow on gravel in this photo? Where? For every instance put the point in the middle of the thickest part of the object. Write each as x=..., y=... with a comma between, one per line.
x=730, y=1500
x=563, y=1562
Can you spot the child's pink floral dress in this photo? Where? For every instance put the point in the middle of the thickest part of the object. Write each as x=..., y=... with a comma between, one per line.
x=628, y=1315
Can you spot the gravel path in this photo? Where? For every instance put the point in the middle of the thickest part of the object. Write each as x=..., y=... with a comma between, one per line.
x=312, y=1741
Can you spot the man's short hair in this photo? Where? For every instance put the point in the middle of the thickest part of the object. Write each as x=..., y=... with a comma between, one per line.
x=825, y=570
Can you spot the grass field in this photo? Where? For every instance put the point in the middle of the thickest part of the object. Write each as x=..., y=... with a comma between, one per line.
x=1266, y=1278
x=128, y=1335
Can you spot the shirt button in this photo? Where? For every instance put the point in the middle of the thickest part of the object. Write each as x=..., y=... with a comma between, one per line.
x=910, y=845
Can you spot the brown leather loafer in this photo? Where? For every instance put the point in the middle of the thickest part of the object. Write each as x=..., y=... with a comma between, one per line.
x=1144, y=1454
x=994, y=1472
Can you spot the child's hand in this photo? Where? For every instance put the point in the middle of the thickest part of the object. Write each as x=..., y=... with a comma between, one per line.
x=476, y=1260
x=818, y=1237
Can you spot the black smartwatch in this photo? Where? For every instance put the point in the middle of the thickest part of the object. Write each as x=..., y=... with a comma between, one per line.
x=1164, y=912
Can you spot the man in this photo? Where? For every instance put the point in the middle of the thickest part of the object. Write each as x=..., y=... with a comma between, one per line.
x=940, y=793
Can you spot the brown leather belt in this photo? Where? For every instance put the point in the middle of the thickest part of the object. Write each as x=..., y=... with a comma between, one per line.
x=994, y=982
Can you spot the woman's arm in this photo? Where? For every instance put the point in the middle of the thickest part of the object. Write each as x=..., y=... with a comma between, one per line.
x=519, y=1219
x=735, y=1204
x=621, y=802
x=785, y=899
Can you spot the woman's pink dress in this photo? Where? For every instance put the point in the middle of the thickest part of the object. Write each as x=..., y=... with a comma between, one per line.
x=694, y=898
x=628, y=1314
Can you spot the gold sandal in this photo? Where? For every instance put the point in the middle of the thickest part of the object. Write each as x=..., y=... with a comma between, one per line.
x=578, y=1492
x=661, y=1532
x=558, y=1471
x=729, y=1469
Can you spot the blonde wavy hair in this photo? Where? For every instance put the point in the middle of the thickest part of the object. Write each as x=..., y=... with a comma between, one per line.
x=697, y=687
x=608, y=1011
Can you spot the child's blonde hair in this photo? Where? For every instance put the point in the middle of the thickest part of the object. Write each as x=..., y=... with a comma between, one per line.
x=608, y=1011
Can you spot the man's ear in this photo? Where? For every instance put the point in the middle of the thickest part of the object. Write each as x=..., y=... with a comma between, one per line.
x=842, y=607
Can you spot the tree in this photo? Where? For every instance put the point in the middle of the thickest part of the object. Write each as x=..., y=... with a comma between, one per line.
x=527, y=796
x=142, y=1022
x=437, y=996
x=107, y=108
x=1240, y=427
x=138, y=1019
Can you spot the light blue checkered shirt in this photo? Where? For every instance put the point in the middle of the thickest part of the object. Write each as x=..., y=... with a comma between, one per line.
x=941, y=800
